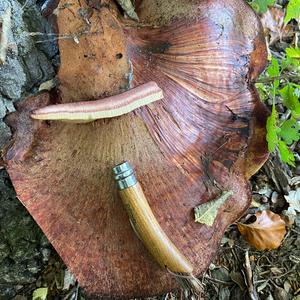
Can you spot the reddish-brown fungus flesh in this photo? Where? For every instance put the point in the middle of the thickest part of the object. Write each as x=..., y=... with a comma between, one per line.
x=208, y=128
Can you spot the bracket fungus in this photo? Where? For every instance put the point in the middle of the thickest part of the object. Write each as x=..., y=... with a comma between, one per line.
x=205, y=135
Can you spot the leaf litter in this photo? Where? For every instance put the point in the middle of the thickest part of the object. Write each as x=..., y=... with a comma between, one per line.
x=267, y=232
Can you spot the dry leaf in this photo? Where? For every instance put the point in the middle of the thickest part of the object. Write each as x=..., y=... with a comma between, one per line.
x=267, y=232
x=207, y=212
x=47, y=85
x=293, y=198
x=40, y=294
x=274, y=26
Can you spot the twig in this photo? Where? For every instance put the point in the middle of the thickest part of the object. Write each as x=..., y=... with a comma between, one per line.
x=73, y=293
x=77, y=290
x=5, y=25
x=249, y=277
x=261, y=281
x=74, y=36
x=25, y=4
x=218, y=280
x=281, y=77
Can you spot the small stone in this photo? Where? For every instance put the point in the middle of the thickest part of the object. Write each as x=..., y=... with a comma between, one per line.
x=274, y=197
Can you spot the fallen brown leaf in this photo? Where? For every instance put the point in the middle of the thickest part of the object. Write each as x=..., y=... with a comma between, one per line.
x=274, y=26
x=267, y=232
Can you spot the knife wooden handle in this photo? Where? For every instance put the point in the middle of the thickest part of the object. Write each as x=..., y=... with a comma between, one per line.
x=148, y=229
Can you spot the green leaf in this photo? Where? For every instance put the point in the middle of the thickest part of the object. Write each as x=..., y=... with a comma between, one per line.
x=286, y=154
x=261, y=6
x=274, y=71
x=290, y=99
x=273, y=68
x=289, y=131
x=292, y=11
x=40, y=294
x=272, y=130
x=206, y=213
x=295, y=85
x=262, y=90
x=292, y=52
x=290, y=63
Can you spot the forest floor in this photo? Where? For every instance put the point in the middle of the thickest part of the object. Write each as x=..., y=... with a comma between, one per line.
x=28, y=262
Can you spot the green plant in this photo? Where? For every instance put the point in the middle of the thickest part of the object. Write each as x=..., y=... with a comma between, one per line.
x=280, y=85
x=261, y=6
x=282, y=133
x=292, y=11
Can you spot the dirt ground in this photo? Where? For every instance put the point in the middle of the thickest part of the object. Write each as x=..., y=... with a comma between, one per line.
x=28, y=261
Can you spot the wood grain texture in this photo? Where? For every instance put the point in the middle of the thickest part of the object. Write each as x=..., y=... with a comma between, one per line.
x=208, y=128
